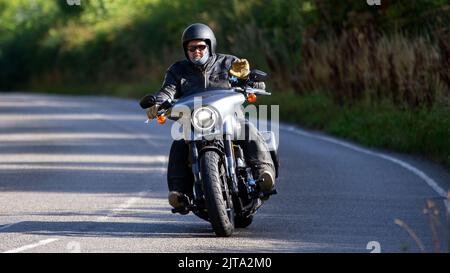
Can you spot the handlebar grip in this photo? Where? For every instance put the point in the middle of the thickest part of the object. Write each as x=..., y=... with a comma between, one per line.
x=147, y=101
x=164, y=106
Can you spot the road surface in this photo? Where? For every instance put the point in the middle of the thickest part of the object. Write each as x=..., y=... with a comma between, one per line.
x=86, y=174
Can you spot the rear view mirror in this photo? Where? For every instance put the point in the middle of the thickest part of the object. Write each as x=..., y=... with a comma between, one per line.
x=257, y=75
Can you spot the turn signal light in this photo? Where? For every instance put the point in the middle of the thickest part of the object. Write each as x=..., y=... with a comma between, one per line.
x=161, y=119
x=251, y=98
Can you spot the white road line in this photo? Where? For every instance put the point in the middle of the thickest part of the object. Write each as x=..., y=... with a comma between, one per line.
x=114, y=212
x=27, y=247
x=441, y=192
x=133, y=200
x=123, y=206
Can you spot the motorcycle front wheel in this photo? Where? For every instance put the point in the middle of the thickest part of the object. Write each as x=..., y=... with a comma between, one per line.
x=217, y=196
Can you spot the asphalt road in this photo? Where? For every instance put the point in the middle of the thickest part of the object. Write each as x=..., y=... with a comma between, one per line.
x=86, y=174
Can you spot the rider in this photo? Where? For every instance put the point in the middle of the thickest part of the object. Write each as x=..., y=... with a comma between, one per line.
x=205, y=69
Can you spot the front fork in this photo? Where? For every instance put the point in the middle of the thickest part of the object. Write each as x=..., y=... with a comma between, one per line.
x=229, y=164
x=198, y=192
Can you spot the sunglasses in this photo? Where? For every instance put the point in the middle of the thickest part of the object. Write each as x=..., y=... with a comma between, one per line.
x=194, y=48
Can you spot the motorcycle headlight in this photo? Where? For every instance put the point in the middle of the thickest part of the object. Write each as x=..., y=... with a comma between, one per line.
x=204, y=118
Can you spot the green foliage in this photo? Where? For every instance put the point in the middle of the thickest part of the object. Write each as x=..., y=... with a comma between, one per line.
x=22, y=24
x=338, y=55
x=49, y=41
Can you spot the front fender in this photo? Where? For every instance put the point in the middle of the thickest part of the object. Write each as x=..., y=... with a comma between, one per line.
x=210, y=148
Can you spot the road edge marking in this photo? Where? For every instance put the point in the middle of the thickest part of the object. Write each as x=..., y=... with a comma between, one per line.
x=430, y=182
x=27, y=247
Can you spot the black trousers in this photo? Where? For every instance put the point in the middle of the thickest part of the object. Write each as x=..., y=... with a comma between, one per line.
x=179, y=174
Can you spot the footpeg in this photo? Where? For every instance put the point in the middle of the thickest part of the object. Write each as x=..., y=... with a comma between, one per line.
x=182, y=211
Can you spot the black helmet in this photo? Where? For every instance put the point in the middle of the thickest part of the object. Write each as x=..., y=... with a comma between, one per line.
x=199, y=31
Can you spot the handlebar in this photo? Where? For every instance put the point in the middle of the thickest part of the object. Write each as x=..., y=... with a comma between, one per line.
x=147, y=101
x=165, y=107
x=250, y=90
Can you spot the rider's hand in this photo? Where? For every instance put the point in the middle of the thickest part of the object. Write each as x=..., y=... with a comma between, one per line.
x=240, y=69
x=147, y=101
x=152, y=111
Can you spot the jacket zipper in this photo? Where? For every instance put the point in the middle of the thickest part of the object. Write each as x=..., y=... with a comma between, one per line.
x=204, y=76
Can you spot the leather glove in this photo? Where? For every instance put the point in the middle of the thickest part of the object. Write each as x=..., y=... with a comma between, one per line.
x=147, y=101
x=240, y=69
x=152, y=111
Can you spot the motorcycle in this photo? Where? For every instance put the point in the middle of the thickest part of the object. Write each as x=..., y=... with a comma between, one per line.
x=225, y=191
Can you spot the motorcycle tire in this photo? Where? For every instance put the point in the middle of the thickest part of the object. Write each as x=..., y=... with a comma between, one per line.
x=215, y=195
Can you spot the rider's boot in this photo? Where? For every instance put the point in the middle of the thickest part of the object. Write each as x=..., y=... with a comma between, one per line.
x=179, y=202
x=179, y=177
x=265, y=183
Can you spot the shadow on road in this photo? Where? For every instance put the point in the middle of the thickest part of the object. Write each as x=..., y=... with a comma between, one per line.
x=162, y=229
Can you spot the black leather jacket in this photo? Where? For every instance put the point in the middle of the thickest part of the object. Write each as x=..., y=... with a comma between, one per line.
x=185, y=78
